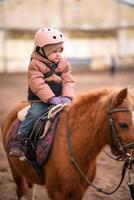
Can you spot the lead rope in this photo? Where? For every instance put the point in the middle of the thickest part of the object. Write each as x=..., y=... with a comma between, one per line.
x=130, y=183
x=75, y=163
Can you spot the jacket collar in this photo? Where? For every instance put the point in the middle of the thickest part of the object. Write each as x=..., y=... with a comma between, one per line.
x=48, y=63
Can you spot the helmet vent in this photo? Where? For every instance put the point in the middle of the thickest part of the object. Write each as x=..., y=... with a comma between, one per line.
x=46, y=36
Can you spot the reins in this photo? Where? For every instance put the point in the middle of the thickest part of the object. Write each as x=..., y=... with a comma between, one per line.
x=127, y=164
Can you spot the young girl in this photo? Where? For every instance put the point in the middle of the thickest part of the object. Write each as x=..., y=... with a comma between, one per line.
x=50, y=81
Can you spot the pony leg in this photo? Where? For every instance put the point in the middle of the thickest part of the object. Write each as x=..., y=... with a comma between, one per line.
x=24, y=188
x=30, y=193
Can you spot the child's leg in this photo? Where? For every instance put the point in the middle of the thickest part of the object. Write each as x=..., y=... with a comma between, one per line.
x=36, y=110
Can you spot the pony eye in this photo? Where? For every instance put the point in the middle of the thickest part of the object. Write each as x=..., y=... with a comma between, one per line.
x=123, y=125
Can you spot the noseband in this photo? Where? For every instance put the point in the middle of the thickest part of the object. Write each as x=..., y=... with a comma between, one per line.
x=115, y=139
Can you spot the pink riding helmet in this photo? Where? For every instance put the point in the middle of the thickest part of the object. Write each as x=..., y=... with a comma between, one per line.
x=46, y=36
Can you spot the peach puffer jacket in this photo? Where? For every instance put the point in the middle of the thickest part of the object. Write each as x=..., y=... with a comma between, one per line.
x=38, y=84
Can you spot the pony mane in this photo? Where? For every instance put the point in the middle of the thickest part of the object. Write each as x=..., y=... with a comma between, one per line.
x=130, y=98
x=89, y=98
x=92, y=106
x=103, y=95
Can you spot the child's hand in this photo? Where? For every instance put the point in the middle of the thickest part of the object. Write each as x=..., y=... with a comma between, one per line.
x=65, y=100
x=59, y=100
x=55, y=100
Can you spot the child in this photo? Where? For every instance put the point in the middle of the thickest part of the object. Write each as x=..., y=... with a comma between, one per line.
x=50, y=81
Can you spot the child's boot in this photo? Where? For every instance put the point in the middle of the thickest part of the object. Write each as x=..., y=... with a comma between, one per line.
x=16, y=149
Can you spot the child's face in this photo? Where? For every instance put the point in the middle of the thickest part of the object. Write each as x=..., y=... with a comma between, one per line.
x=55, y=56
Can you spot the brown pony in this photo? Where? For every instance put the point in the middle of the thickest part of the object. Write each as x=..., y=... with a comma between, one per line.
x=88, y=126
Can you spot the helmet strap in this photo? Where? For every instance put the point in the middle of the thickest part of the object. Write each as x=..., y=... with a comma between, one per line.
x=41, y=51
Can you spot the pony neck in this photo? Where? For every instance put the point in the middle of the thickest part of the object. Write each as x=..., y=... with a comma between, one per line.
x=89, y=128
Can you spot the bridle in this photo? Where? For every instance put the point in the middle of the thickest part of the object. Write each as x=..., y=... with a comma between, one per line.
x=116, y=141
x=114, y=136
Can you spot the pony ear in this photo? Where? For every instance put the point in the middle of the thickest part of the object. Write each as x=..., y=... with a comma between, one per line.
x=120, y=96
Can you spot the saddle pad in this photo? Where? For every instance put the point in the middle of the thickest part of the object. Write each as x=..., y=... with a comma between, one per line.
x=44, y=145
x=22, y=113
